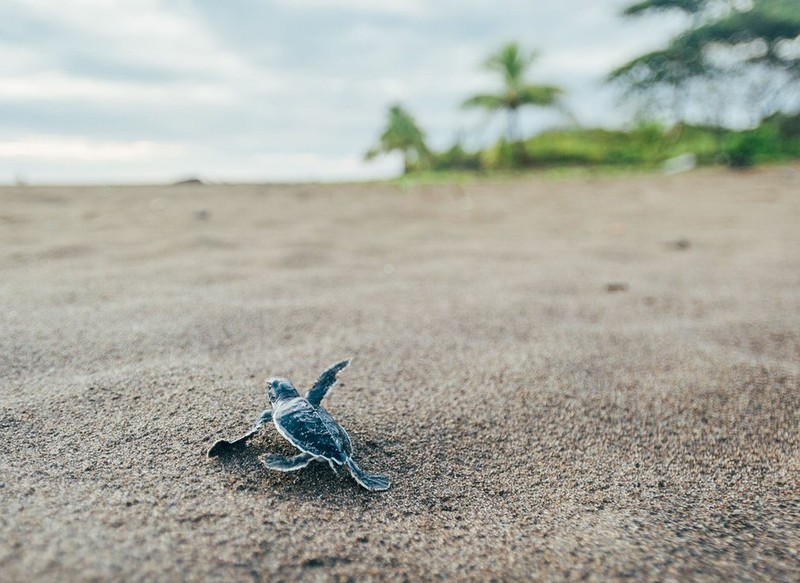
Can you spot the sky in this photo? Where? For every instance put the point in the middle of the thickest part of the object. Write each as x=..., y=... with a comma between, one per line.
x=154, y=91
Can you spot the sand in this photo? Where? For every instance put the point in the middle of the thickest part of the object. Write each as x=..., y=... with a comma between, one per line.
x=566, y=378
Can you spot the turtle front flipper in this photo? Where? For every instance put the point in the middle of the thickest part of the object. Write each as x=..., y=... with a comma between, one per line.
x=223, y=446
x=284, y=463
x=326, y=380
x=372, y=482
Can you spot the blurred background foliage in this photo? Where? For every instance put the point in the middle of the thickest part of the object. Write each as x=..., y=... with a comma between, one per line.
x=726, y=90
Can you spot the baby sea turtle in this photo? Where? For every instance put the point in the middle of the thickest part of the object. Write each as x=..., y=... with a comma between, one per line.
x=309, y=427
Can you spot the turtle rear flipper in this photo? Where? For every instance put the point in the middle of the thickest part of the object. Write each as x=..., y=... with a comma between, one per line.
x=372, y=482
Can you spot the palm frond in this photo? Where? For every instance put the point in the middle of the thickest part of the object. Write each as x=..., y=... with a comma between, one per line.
x=687, y=6
x=404, y=135
x=538, y=94
x=490, y=102
x=511, y=62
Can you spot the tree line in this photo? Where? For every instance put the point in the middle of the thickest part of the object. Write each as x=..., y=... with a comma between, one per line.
x=735, y=57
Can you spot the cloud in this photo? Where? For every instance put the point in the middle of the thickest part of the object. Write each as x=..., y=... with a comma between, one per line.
x=59, y=87
x=16, y=59
x=68, y=148
x=308, y=167
x=71, y=160
x=410, y=8
x=152, y=33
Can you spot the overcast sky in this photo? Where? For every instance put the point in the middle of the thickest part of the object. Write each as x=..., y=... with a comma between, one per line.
x=257, y=90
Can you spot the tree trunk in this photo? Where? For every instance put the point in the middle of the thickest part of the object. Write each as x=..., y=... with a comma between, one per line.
x=513, y=135
x=512, y=127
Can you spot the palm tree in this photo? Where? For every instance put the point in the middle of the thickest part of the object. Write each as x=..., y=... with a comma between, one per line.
x=403, y=134
x=512, y=63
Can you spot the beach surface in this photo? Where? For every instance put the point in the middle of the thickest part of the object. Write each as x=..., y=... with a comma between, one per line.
x=576, y=378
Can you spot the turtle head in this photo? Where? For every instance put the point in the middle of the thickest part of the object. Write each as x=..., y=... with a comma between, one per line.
x=279, y=389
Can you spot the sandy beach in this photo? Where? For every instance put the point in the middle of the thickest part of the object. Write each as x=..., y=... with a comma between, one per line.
x=586, y=378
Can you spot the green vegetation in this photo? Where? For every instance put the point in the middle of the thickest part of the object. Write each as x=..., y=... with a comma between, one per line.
x=402, y=134
x=777, y=139
x=512, y=63
x=651, y=145
x=735, y=57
